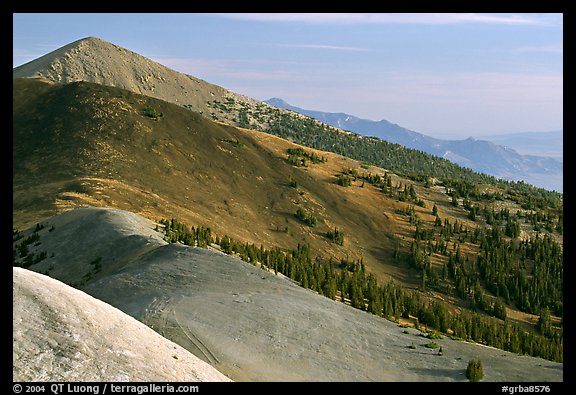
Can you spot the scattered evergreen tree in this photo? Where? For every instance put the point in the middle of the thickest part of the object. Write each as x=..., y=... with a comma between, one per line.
x=306, y=217
x=337, y=236
x=512, y=228
x=544, y=323
x=152, y=113
x=293, y=182
x=454, y=200
x=475, y=370
x=360, y=289
x=344, y=181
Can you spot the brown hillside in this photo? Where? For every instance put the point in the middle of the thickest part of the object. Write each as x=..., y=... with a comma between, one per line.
x=95, y=60
x=88, y=144
x=92, y=59
x=85, y=144
x=95, y=124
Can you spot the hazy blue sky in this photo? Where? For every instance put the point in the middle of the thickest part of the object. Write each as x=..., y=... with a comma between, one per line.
x=445, y=75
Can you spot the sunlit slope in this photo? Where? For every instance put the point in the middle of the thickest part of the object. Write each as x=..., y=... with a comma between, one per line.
x=84, y=143
x=62, y=334
x=92, y=59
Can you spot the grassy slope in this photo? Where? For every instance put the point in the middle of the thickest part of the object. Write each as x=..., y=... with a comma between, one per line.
x=86, y=144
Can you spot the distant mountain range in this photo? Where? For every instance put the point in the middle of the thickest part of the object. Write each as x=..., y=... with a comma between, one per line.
x=479, y=155
x=533, y=143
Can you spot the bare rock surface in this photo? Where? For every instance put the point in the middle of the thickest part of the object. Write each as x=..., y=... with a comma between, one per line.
x=63, y=334
x=253, y=325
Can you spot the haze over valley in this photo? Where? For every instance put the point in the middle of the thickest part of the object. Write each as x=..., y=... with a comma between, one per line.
x=537, y=161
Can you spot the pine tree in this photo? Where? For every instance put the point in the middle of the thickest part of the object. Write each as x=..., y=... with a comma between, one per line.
x=454, y=200
x=499, y=309
x=544, y=323
x=475, y=370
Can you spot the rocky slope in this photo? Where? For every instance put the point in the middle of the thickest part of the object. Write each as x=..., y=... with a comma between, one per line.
x=63, y=334
x=95, y=60
x=250, y=324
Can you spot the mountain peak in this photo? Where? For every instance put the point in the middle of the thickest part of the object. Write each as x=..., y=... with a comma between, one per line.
x=92, y=38
x=279, y=103
x=75, y=61
x=275, y=101
x=93, y=59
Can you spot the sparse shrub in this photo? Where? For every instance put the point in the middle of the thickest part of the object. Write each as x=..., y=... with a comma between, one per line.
x=475, y=370
x=454, y=201
x=22, y=250
x=297, y=161
x=41, y=256
x=296, y=151
x=434, y=336
x=432, y=345
x=237, y=143
x=152, y=113
x=344, y=181
x=76, y=186
x=305, y=217
x=299, y=157
x=16, y=235
x=28, y=261
x=336, y=235
x=316, y=159
x=96, y=264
